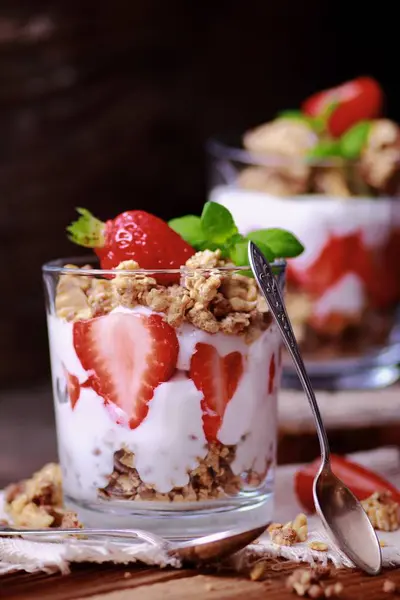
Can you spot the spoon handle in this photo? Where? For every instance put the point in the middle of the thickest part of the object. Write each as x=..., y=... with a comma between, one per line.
x=270, y=290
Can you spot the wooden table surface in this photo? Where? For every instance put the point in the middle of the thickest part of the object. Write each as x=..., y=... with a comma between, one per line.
x=134, y=583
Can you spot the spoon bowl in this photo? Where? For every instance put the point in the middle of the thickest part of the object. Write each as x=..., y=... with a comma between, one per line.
x=345, y=519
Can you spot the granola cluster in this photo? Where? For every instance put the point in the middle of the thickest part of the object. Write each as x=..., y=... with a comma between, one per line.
x=291, y=533
x=209, y=297
x=382, y=511
x=37, y=502
x=212, y=478
x=288, y=141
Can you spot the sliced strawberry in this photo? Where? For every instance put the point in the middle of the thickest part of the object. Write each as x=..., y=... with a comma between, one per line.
x=133, y=235
x=272, y=373
x=73, y=387
x=127, y=357
x=217, y=378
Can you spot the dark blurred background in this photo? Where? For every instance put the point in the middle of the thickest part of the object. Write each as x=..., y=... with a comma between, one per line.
x=107, y=105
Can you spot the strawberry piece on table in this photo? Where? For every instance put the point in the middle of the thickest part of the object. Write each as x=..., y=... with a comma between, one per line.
x=127, y=356
x=347, y=104
x=73, y=387
x=217, y=378
x=361, y=481
x=132, y=235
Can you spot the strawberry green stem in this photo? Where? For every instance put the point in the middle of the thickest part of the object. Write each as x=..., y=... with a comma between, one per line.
x=87, y=230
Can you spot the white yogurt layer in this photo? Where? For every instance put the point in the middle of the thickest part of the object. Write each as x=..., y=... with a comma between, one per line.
x=170, y=441
x=345, y=297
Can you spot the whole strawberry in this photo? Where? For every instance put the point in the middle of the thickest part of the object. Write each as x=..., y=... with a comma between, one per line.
x=133, y=235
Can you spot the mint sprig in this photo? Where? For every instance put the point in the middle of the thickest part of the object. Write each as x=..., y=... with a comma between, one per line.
x=216, y=228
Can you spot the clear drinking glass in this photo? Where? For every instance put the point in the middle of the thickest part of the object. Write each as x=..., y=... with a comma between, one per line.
x=343, y=292
x=164, y=422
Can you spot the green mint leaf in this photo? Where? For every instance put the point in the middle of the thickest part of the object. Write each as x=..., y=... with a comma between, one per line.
x=87, y=230
x=217, y=223
x=190, y=229
x=353, y=141
x=281, y=243
x=325, y=149
x=239, y=253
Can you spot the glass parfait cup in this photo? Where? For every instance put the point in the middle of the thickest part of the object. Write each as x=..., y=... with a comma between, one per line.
x=343, y=292
x=165, y=391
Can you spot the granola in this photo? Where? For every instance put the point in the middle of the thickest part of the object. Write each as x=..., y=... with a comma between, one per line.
x=291, y=533
x=208, y=297
x=38, y=502
x=211, y=479
x=382, y=511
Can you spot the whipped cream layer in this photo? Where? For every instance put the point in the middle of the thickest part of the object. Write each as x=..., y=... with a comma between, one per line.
x=170, y=441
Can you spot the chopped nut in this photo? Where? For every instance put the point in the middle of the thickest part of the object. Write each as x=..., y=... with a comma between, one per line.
x=382, y=511
x=334, y=590
x=319, y=546
x=274, y=526
x=389, y=586
x=284, y=536
x=300, y=526
x=315, y=591
x=259, y=570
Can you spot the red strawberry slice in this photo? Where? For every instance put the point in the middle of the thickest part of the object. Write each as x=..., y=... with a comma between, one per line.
x=73, y=387
x=133, y=235
x=127, y=357
x=217, y=378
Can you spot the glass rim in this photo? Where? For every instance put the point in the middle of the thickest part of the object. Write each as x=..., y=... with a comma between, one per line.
x=57, y=266
x=230, y=147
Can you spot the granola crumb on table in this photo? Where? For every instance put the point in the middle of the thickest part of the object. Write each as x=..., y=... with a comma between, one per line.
x=308, y=582
x=208, y=297
x=38, y=501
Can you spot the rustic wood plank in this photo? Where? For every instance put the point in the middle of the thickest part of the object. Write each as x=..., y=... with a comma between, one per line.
x=108, y=582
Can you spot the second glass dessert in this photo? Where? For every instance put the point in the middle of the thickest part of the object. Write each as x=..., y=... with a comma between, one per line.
x=335, y=185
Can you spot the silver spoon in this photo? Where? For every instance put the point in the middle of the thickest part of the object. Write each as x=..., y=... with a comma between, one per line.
x=203, y=549
x=340, y=511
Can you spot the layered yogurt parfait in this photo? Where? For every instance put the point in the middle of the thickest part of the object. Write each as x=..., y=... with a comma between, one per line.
x=166, y=366
x=330, y=173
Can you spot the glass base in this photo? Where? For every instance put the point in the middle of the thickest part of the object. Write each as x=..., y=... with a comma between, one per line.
x=189, y=520
x=373, y=371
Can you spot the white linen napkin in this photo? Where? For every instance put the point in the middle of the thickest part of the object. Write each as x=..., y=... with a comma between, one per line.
x=23, y=554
